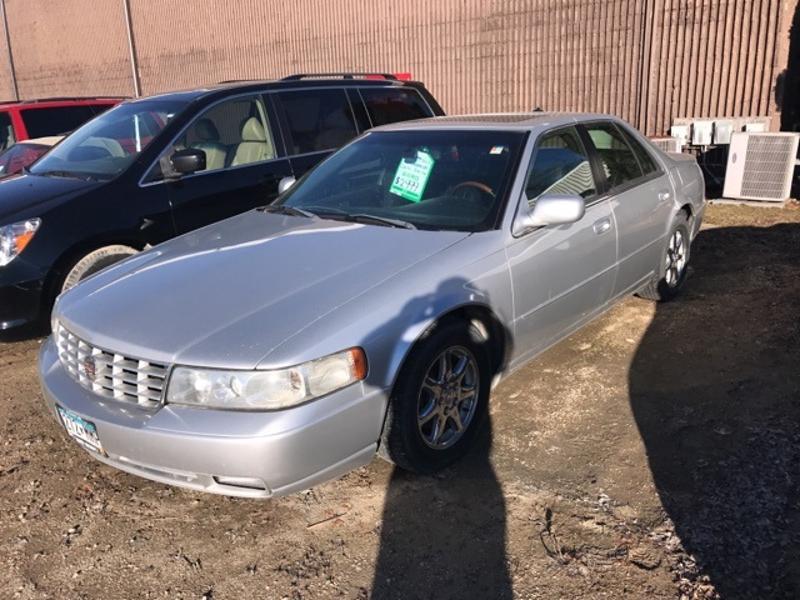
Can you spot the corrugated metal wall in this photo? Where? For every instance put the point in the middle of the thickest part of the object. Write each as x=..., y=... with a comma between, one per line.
x=69, y=47
x=648, y=61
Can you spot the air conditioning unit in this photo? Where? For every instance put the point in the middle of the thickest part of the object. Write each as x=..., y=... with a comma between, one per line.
x=702, y=133
x=760, y=166
x=669, y=144
x=723, y=129
x=681, y=133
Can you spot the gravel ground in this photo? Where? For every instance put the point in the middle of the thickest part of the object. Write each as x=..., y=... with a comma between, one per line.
x=653, y=454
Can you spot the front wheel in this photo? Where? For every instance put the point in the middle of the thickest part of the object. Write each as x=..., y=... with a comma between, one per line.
x=94, y=262
x=439, y=402
x=674, y=263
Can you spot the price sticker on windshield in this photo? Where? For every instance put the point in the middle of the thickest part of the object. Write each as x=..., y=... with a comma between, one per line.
x=412, y=176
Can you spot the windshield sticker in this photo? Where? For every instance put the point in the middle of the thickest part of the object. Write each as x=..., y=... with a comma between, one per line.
x=412, y=176
x=497, y=149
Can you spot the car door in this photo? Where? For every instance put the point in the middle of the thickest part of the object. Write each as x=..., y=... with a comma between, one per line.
x=244, y=163
x=562, y=275
x=316, y=122
x=639, y=193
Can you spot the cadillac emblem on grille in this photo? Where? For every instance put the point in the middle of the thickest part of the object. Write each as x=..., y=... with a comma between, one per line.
x=89, y=368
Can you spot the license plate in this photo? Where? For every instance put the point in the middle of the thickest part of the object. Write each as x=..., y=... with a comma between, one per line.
x=82, y=431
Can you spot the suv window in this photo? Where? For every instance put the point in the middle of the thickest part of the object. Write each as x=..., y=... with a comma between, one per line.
x=317, y=119
x=42, y=122
x=616, y=157
x=561, y=166
x=645, y=160
x=392, y=105
x=7, y=138
x=232, y=133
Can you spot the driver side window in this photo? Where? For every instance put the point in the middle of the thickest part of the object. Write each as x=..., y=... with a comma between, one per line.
x=560, y=166
x=231, y=134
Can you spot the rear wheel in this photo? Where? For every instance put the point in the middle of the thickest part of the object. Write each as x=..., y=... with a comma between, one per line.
x=674, y=263
x=94, y=262
x=439, y=402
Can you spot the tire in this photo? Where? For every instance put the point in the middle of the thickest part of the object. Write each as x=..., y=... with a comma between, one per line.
x=674, y=264
x=94, y=262
x=413, y=447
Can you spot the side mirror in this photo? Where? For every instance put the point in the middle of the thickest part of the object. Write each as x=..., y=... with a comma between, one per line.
x=285, y=183
x=549, y=210
x=188, y=161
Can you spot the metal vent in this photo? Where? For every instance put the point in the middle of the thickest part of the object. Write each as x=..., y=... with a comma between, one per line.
x=761, y=165
x=109, y=374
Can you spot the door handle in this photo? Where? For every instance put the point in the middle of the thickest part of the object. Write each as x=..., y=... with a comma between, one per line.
x=601, y=226
x=663, y=196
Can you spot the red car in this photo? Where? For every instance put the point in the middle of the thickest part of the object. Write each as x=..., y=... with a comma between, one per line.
x=33, y=119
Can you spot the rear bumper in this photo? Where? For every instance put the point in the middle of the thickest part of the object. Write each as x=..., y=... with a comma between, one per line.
x=249, y=454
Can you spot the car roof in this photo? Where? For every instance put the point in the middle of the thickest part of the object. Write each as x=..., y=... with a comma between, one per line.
x=498, y=121
x=226, y=88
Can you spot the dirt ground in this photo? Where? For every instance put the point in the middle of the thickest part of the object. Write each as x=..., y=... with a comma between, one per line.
x=655, y=454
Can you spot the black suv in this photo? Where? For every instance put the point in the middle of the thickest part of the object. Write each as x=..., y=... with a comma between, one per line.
x=160, y=166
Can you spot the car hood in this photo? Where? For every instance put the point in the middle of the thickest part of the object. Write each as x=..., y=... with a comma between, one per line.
x=21, y=195
x=226, y=295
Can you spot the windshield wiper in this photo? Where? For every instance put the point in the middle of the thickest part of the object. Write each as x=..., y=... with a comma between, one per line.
x=288, y=210
x=385, y=221
x=66, y=174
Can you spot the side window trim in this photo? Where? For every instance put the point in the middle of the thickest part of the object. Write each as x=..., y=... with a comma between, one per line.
x=359, y=108
x=145, y=179
x=591, y=200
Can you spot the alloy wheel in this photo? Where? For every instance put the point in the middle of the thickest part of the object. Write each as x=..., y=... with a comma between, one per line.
x=448, y=397
x=675, y=261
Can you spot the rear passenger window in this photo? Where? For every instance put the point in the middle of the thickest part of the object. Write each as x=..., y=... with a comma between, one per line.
x=7, y=138
x=616, y=157
x=43, y=122
x=560, y=166
x=392, y=105
x=318, y=119
x=645, y=160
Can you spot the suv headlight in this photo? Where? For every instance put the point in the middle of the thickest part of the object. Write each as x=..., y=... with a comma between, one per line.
x=14, y=238
x=266, y=390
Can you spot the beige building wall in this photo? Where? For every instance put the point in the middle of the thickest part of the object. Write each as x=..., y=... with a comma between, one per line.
x=648, y=61
x=69, y=47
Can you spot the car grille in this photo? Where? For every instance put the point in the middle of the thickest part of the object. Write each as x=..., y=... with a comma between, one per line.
x=109, y=374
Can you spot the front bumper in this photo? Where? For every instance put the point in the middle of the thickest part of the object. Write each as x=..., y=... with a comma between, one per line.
x=20, y=296
x=263, y=453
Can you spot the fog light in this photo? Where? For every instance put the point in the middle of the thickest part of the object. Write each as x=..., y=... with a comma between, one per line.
x=250, y=483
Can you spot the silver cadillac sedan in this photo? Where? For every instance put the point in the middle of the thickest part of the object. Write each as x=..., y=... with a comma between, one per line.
x=372, y=307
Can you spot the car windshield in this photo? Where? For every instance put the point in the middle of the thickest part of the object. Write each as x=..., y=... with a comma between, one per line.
x=105, y=146
x=426, y=179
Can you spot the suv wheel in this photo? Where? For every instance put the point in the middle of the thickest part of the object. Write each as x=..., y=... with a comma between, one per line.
x=439, y=402
x=94, y=262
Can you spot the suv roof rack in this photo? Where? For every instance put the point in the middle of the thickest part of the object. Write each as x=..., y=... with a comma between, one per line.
x=354, y=75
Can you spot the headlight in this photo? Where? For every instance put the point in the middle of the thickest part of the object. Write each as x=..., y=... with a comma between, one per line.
x=14, y=238
x=266, y=390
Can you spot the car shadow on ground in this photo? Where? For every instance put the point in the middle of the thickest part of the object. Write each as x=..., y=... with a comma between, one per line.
x=715, y=391
x=445, y=538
